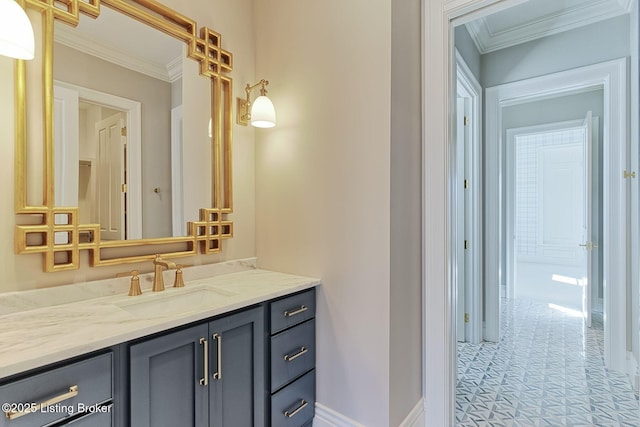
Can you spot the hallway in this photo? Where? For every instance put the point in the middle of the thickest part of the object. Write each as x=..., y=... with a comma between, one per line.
x=548, y=370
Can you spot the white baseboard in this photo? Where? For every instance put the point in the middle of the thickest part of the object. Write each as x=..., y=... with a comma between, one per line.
x=326, y=417
x=633, y=369
x=416, y=416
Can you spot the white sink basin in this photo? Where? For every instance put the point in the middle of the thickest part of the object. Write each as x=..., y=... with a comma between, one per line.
x=174, y=302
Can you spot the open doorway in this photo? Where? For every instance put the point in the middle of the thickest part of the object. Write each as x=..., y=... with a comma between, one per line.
x=553, y=212
x=102, y=134
x=439, y=306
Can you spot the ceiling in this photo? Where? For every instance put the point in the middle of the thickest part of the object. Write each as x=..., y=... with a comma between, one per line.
x=535, y=19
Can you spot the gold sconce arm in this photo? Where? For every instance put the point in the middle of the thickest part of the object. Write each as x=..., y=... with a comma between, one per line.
x=261, y=113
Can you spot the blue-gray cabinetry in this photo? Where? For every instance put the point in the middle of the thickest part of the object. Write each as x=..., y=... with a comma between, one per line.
x=210, y=374
x=292, y=360
x=254, y=367
x=165, y=374
x=78, y=393
x=238, y=370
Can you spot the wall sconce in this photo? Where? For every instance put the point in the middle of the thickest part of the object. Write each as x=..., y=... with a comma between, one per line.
x=16, y=32
x=262, y=114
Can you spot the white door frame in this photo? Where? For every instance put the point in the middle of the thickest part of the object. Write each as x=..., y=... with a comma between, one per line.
x=133, y=111
x=468, y=85
x=612, y=77
x=438, y=86
x=179, y=225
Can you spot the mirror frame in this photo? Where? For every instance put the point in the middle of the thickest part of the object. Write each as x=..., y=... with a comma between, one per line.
x=37, y=226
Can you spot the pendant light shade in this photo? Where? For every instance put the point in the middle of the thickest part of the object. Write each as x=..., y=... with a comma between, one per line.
x=16, y=32
x=263, y=114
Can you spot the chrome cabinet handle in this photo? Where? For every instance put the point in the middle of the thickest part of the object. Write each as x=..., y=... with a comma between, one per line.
x=218, y=374
x=288, y=358
x=12, y=415
x=303, y=404
x=302, y=309
x=205, y=379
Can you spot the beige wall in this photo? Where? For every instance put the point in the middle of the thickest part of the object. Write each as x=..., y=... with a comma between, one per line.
x=338, y=190
x=406, y=210
x=335, y=188
x=25, y=271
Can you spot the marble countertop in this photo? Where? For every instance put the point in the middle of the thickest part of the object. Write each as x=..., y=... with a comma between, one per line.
x=38, y=333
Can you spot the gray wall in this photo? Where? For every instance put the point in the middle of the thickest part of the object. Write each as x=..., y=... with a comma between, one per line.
x=405, y=290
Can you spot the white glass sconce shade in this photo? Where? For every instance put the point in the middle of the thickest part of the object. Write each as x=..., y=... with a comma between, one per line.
x=16, y=32
x=263, y=114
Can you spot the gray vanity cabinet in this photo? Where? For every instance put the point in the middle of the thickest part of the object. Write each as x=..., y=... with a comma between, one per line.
x=71, y=394
x=236, y=392
x=211, y=374
x=167, y=376
x=292, y=360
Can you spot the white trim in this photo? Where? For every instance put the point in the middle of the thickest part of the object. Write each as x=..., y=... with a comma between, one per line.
x=327, y=417
x=416, y=417
x=610, y=75
x=169, y=73
x=634, y=165
x=133, y=111
x=178, y=222
x=472, y=89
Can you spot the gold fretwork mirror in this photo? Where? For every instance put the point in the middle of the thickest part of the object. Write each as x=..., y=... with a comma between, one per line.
x=123, y=135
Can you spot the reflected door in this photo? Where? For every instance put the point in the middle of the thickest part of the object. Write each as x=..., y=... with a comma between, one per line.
x=111, y=177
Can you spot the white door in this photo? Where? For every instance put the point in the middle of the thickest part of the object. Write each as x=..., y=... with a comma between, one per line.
x=460, y=221
x=588, y=244
x=111, y=178
x=66, y=142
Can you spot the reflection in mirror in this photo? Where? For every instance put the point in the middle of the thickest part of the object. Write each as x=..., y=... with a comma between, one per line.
x=118, y=126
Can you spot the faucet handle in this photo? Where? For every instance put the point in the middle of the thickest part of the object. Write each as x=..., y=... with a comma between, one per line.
x=134, y=288
x=179, y=281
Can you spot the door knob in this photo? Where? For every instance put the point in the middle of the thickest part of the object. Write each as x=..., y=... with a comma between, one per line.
x=589, y=245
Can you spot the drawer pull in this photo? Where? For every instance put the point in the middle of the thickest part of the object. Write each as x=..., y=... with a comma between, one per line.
x=302, y=309
x=73, y=391
x=205, y=378
x=302, y=351
x=303, y=404
x=218, y=374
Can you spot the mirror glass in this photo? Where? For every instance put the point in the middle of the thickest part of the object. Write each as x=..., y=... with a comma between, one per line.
x=118, y=127
x=123, y=135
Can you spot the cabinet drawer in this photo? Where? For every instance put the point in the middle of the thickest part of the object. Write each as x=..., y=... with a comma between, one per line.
x=292, y=354
x=62, y=391
x=292, y=310
x=293, y=406
x=96, y=419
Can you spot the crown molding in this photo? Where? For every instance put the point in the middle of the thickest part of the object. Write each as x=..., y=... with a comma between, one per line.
x=588, y=12
x=169, y=73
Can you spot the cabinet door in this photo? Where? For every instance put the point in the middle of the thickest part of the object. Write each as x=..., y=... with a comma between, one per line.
x=166, y=373
x=237, y=390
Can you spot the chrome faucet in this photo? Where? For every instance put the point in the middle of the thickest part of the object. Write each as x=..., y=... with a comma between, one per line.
x=158, y=280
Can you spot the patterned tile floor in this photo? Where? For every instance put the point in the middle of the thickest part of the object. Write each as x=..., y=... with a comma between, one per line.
x=547, y=370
